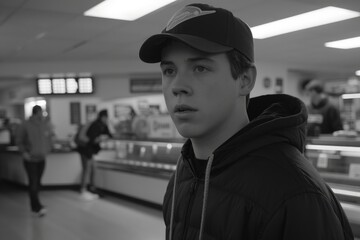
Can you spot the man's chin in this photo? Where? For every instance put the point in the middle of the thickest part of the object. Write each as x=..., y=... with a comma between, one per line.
x=187, y=133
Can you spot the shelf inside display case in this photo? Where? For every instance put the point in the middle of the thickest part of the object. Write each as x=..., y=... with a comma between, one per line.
x=151, y=158
x=336, y=158
x=157, y=170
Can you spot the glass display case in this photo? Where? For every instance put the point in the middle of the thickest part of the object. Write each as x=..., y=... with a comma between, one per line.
x=338, y=161
x=137, y=168
x=156, y=158
x=336, y=158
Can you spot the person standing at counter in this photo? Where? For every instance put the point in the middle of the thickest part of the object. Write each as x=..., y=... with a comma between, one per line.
x=242, y=173
x=35, y=142
x=324, y=117
x=95, y=132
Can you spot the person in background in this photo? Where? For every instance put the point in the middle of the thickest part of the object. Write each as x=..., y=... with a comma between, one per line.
x=242, y=173
x=324, y=117
x=94, y=132
x=35, y=142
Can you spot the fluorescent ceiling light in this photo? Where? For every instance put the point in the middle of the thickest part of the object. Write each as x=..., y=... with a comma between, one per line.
x=346, y=192
x=125, y=9
x=350, y=95
x=357, y=73
x=345, y=43
x=302, y=21
x=332, y=148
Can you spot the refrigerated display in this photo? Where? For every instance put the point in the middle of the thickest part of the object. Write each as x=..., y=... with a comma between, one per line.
x=137, y=168
x=142, y=168
x=337, y=159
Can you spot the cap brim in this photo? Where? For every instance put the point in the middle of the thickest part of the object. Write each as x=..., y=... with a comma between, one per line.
x=150, y=51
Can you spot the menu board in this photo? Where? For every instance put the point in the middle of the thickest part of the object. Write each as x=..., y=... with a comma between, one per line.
x=71, y=85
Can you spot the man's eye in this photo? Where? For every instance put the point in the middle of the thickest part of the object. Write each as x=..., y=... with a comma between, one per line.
x=168, y=71
x=200, y=69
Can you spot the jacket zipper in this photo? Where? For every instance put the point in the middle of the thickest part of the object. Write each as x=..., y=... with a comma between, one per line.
x=193, y=187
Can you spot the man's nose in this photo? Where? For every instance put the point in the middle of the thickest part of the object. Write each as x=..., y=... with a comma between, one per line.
x=181, y=85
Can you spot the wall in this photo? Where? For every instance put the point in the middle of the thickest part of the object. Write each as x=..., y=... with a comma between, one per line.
x=113, y=86
x=154, y=99
x=273, y=71
x=60, y=114
x=108, y=88
x=296, y=78
x=112, y=83
x=111, y=77
x=11, y=98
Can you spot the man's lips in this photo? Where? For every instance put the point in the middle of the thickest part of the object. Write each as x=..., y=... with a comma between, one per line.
x=183, y=108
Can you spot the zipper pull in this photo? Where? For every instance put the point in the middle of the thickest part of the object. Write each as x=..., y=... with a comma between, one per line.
x=193, y=186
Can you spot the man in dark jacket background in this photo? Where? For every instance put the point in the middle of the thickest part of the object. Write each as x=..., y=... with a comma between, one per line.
x=242, y=173
x=94, y=133
x=324, y=117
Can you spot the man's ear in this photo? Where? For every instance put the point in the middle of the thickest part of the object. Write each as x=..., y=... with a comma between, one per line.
x=246, y=81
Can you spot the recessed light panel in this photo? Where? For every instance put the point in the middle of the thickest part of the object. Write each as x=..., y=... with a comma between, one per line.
x=303, y=21
x=126, y=10
x=345, y=43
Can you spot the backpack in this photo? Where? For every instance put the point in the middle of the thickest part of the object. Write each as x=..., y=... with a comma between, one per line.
x=81, y=138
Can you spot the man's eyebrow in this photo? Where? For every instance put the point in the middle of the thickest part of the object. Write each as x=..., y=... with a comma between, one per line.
x=191, y=60
x=162, y=63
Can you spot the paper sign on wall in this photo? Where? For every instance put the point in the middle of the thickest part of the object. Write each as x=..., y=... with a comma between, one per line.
x=322, y=160
x=354, y=171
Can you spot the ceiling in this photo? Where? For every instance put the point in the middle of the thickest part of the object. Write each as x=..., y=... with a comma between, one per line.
x=55, y=31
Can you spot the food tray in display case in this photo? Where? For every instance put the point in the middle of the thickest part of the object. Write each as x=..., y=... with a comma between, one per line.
x=338, y=161
x=155, y=158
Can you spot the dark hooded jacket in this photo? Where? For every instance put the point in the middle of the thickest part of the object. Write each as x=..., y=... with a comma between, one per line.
x=258, y=185
x=93, y=132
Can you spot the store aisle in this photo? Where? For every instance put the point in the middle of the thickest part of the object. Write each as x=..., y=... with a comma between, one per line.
x=72, y=218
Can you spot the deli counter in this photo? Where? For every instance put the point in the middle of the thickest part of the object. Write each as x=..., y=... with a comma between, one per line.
x=142, y=168
x=337, y=159
x=137, y=168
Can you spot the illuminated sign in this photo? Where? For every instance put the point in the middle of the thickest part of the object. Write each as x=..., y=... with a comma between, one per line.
x=71, y=85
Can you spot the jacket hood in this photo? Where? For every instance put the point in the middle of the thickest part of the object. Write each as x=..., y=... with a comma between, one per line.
x=273, y=119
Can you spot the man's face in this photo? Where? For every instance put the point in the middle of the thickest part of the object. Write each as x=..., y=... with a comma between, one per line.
x=313, y=95
x=199, y=91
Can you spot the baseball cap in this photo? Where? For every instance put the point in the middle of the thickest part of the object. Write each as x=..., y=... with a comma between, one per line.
x=316, y=85
x=203, y=27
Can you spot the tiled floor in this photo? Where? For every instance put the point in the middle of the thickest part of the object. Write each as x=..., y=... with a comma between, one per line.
x=72, y=218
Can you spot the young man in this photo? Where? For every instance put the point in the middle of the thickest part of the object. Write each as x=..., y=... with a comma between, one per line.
x=242, y=173
x=324, y=117
x=34, y=141
x=95, y=132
